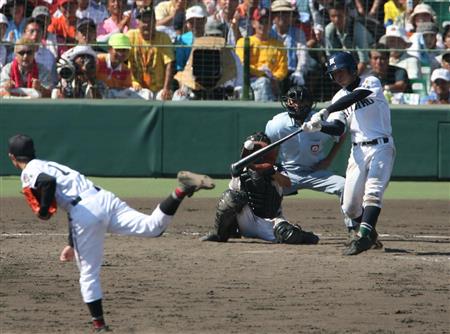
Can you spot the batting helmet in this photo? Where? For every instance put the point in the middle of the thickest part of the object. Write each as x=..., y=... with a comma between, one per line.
x=341, y=60
x=255, y=142
x=298, y=103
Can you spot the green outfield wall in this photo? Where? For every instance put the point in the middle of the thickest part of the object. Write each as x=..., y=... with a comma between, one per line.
x=132, y=138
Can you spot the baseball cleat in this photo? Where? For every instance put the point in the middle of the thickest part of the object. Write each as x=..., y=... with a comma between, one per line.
x=103, y=329
x=359, y=245
x=210, y=237
x=352, y=235
x=377, y=244
x=192, y=182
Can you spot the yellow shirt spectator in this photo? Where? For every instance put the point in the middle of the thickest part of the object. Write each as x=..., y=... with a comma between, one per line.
x=393, y=13
x=164, y=9
x=148, y=59
x=268, y=53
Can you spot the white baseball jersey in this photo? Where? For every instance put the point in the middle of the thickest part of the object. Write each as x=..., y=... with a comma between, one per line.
x=373, y=152
x=69, y=183
x=95, y=212
x=369, y=118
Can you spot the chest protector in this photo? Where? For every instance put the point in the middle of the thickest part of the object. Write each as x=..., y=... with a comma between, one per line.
x=263, y=196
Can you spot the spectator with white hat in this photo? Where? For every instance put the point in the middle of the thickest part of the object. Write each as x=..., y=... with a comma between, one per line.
x=421, y=13
x=195, y=22
x=440, y=82
x=77, y=71
x=424, y=44
x=395, y=39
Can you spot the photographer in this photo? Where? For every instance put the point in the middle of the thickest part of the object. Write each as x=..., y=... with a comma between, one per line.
x=77, y=72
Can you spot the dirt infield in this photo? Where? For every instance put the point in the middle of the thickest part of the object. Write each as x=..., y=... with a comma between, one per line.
x=177, y=284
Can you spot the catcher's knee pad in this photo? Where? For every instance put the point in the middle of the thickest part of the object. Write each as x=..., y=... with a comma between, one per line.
x=291, y=234
x=229, y=205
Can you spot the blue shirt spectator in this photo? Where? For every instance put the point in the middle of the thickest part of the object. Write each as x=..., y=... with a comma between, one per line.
x=14, y=32
x=290, y=41
x=182, y=53
x=17, y=22
x=195, y=22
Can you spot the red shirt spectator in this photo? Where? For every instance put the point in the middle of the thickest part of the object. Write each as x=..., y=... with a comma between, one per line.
x=111, y=67
x=64, y=26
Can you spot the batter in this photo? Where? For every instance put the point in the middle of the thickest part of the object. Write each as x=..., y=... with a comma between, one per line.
x=361, y=104
x=304, y=157
x=92, y=212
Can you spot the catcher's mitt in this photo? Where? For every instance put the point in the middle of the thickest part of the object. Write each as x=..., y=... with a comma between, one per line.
x=33, y=197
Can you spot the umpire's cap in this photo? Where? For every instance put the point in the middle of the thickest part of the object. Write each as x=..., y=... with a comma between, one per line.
x=340, y=60
x=21, y=146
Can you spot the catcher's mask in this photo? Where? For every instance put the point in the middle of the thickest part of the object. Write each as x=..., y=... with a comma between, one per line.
x=254, y=143
x=298, y=103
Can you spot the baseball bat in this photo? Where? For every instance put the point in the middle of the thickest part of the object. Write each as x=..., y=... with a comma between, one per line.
x=238, y=166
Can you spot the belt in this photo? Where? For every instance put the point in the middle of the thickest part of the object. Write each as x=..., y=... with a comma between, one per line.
x=373, y=142
x=84, y=195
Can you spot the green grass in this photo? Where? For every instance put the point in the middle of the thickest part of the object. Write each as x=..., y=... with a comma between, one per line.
x=148, y=187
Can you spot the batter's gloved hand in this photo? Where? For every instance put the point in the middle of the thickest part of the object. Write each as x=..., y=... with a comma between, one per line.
x=322, y=115
x=312, y=126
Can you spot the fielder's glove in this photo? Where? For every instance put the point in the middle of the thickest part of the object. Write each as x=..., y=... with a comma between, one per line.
x=33, y=199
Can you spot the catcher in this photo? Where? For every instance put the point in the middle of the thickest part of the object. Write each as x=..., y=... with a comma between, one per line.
x=252, y=204
x=92, y=212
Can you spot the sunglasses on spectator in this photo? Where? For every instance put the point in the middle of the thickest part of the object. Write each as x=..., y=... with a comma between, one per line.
x=25, y=52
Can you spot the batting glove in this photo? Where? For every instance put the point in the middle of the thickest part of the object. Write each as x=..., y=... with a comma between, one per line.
x=322, y=115
x=312, y=126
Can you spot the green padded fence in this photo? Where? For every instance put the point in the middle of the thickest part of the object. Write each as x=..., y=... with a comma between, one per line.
x=142, y=138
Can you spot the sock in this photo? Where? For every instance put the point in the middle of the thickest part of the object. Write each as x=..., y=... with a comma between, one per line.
x=96, y=310
x=369, y=220
x=98, y=322
x=170, y=205
x=358, y=219
x=179, y=193
x=364, y=230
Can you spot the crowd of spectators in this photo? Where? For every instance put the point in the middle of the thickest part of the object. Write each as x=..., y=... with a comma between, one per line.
x=196, y=49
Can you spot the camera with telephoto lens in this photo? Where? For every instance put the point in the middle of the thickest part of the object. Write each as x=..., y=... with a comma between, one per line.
x=66, y=69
